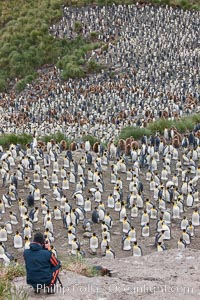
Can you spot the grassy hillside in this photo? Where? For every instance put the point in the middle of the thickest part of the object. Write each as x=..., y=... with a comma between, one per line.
x=26, y=45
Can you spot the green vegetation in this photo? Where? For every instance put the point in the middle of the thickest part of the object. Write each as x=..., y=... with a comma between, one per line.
x=58, y=137
x=90, y=138
x=79, y=265
x=9, y=291
x=182, y=125
x=26, y=44
x=8, y=139
x=135, y=132
x=188, y=4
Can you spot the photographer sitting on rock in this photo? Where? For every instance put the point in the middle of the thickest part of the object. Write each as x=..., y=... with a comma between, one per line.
x=42, y=267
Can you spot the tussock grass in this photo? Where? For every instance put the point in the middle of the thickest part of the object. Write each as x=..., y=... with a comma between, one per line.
x=26, y=44
x=135, y=132
x=90, y=138
x=58, y=137
x=183, y=125
x=8, y=139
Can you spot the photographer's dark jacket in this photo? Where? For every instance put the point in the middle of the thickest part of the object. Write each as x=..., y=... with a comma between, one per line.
x=41, y=265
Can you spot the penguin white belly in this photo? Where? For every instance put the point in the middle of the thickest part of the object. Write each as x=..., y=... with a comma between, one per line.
x=65, y=185
x=189, y=201
x=134, y=212
x=133, y=236
x=126, y=228
x=3, y=236
x=18, y=243
x=195, y=220
x=186, y=238
x=117, y=206
x=88, y=206
x=9, y=228
x=101, y=215
x=57, y=215
x=137, y=251
x=139, y=202
x=176, y=213
x=37, y=195
x=152, y=186
x=111, y=202
x=123, y=168
x=162, y=204
x=127, y=245
x=122, y=214
x=144, y=219
x=145, y=231
x=154, y=166
x=93, y=244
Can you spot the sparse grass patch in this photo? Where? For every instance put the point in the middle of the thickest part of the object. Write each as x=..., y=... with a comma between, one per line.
x=77, y=27
x=8, y=291
x=93, y=67
x=79, y=266
x=10, y=272
x=14, y=293
x=5, y=286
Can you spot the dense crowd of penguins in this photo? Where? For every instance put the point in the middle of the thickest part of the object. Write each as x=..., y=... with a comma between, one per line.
x=90, y=193
x=151, y=59
x=125, y=197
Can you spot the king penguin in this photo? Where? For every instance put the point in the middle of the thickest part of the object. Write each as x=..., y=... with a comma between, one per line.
x=137, y=250
x=94, y=243
x=18, y=241
x=109, y=253
x=3, y=234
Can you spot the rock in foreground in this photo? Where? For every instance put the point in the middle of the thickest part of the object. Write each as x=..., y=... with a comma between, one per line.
x=168, y=275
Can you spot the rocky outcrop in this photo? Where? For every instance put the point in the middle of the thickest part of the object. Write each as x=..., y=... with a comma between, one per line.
x=168, y=275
